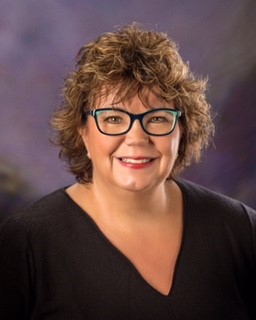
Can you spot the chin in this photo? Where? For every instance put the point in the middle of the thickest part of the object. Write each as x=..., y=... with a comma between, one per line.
x=138, y=186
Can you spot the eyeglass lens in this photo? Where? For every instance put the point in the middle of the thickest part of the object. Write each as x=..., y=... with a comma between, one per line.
x=117, y=122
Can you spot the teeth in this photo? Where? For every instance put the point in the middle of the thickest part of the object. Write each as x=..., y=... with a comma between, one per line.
x=128, y=160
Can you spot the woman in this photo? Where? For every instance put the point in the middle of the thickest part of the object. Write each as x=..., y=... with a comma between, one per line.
x=130, y=240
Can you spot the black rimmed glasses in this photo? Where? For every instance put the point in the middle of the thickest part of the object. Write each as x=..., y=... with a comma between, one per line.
x=155, y=122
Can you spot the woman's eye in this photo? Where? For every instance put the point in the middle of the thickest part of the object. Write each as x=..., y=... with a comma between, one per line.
x=113, y=119
x=158, y=119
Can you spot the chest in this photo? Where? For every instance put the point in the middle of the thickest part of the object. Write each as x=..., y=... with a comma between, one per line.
x=88, y=277
x=152, y=253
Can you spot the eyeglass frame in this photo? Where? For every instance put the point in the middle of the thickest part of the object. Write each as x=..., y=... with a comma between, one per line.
x=133, y=117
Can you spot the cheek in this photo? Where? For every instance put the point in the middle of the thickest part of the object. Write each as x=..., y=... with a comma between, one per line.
x=175, y=140
x=170, y=146
x=170, y=150
x=99, y=146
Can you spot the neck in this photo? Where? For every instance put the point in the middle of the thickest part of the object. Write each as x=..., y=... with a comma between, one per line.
x=133, y=205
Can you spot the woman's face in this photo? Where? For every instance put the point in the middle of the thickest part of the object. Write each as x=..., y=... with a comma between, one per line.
x=134, y=161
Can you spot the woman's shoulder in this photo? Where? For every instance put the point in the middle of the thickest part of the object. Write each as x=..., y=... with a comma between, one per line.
x=219, y=218
x=49, y=210
x=210, y=202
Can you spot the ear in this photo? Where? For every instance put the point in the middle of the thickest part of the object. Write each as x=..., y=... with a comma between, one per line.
x=82, y=131
x=83, y=134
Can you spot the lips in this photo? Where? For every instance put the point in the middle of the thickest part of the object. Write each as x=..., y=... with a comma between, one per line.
x=136, y=160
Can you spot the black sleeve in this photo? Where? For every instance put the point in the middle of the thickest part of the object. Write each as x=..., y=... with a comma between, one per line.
x=252, y=291
x=16, y=271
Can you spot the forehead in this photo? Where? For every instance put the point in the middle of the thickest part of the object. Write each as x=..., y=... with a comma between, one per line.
x=145, y=98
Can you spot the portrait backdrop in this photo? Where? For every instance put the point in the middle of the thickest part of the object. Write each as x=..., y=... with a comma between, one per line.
x=38, y=44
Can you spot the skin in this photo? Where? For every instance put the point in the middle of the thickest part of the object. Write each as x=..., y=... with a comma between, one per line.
x=134, y=201
x=106, y=151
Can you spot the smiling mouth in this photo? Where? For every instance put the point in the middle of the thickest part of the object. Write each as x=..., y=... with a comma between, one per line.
x=136, y=161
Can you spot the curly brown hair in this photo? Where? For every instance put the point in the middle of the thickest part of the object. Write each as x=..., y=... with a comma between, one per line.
x=128, y=61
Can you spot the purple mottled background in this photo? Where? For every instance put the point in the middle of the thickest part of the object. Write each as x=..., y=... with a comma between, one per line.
x=38, y=44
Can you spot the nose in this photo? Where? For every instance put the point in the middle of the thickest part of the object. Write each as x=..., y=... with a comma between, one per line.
x=136, y=135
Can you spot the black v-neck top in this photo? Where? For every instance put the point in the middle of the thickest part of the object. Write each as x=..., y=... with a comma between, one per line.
x=56, y=264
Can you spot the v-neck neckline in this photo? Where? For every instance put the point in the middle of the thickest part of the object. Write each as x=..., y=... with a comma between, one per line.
x=108, y=242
